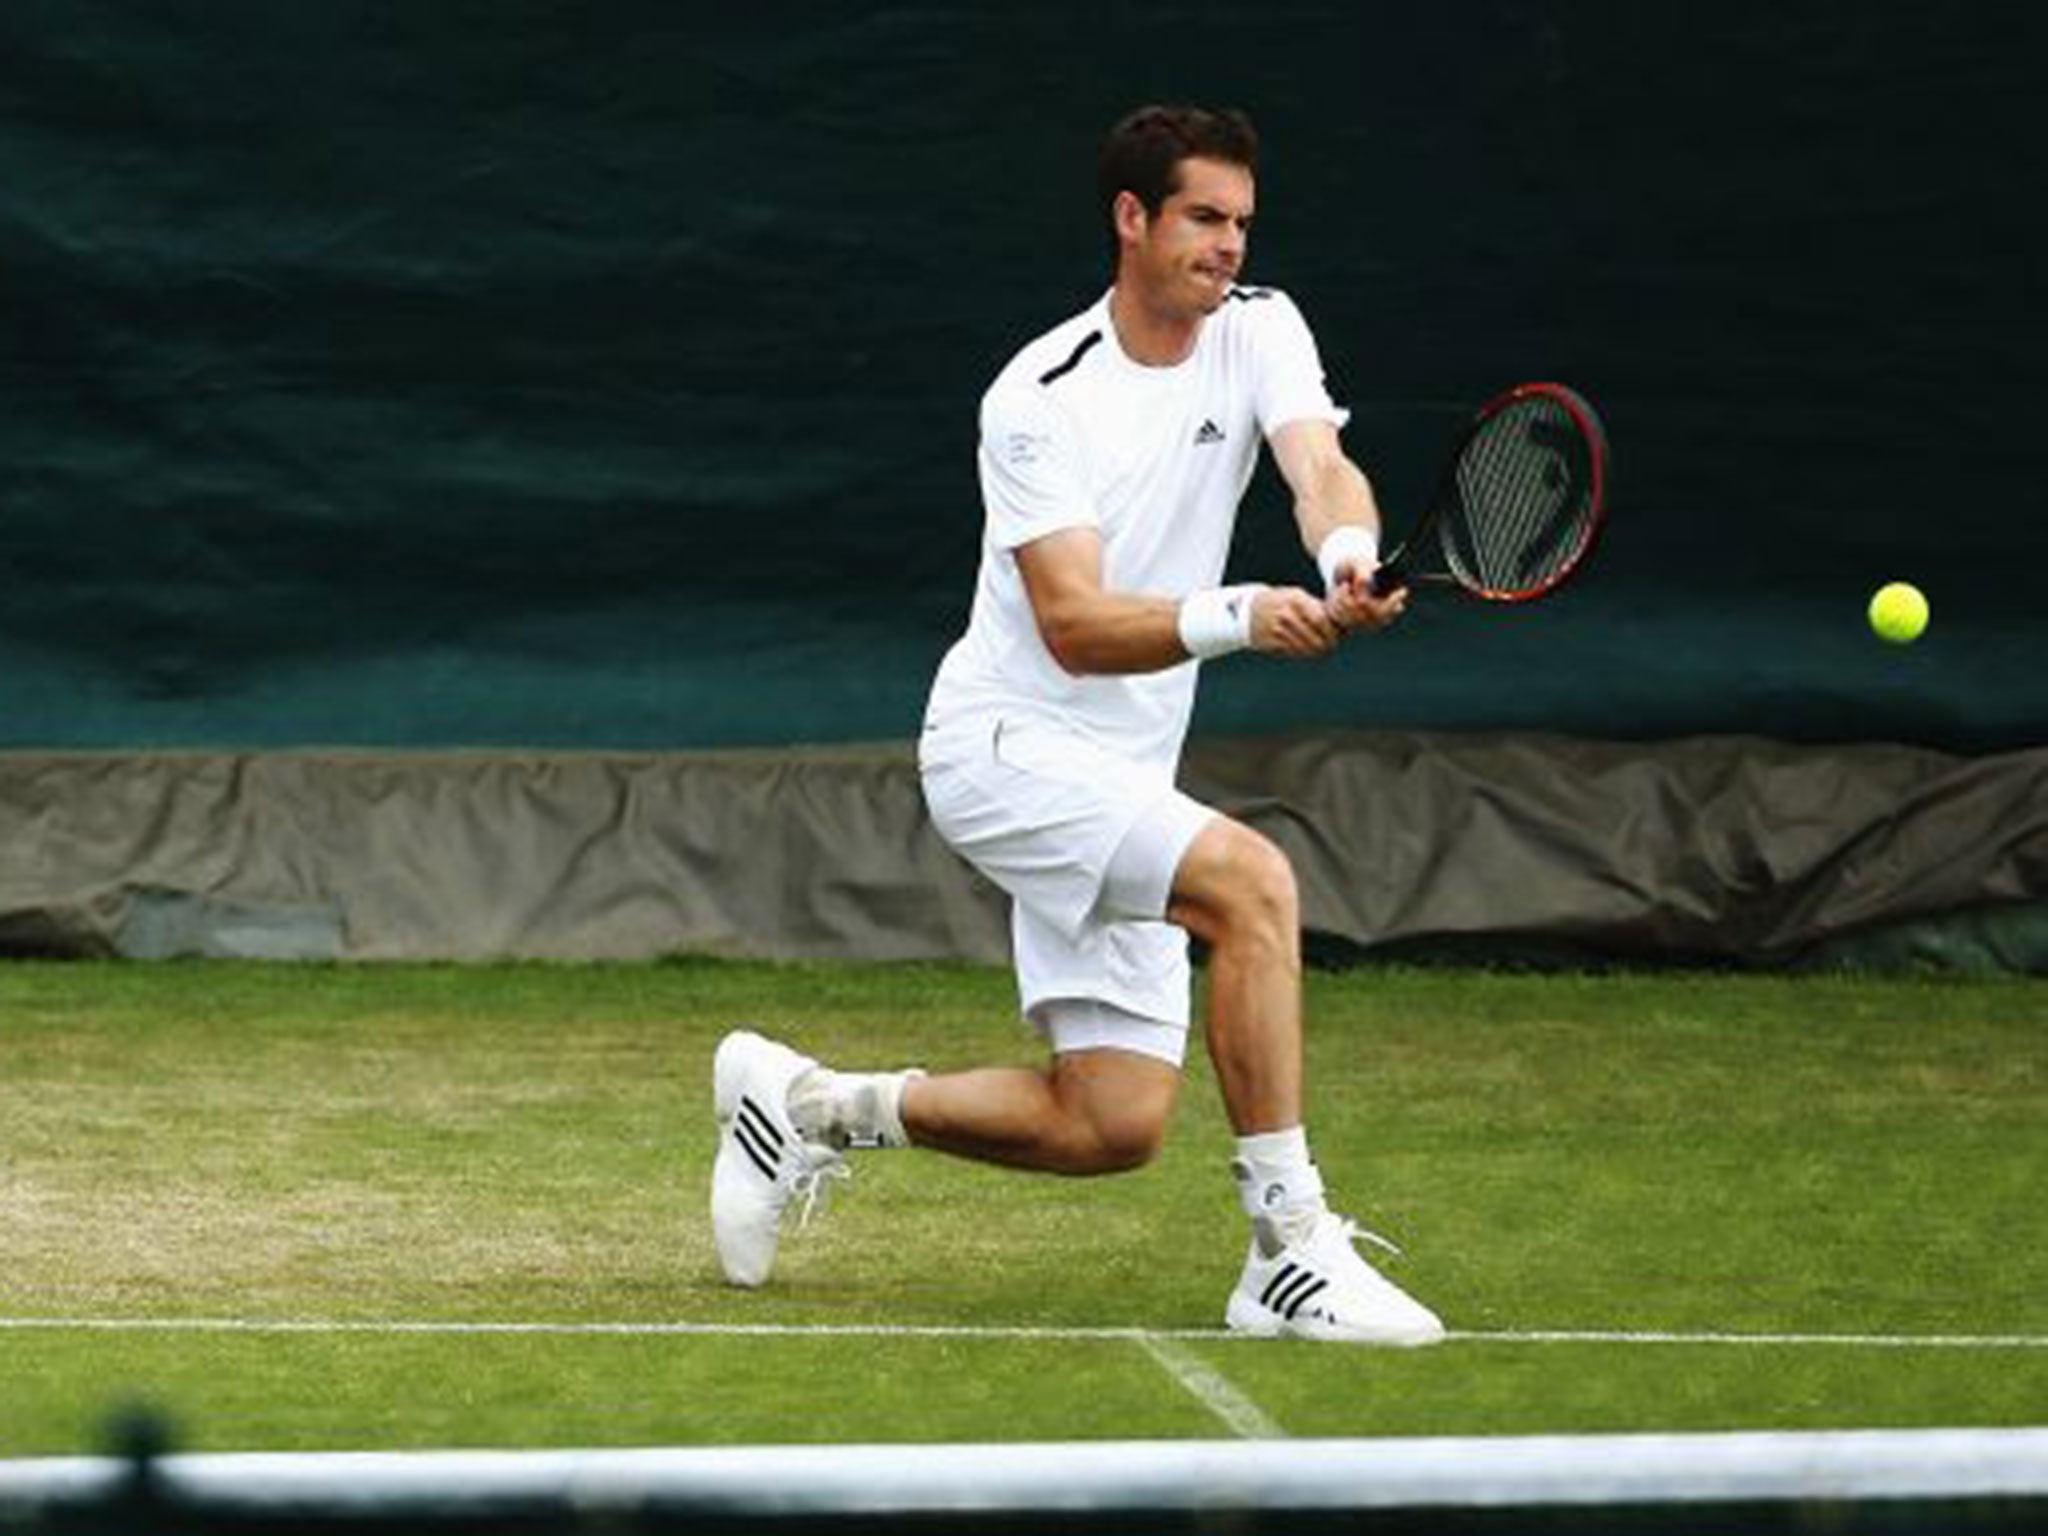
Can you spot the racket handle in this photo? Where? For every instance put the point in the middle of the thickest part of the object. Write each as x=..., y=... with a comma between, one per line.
x=1388, y=578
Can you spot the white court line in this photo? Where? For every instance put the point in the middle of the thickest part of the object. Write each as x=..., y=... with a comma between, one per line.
x=972, y=1331
x=1213, y=1390
x=1860, y=1340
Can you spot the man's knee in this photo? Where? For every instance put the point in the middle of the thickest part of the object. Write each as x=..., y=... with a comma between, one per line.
x=1128, y=1140
x=1236, y=885
x=1117, y=1118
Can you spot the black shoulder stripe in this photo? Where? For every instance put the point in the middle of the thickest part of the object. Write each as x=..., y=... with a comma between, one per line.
x=1074, y=359
x=1247, y=294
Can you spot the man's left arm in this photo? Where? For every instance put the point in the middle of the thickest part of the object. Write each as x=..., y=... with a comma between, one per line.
x=1339, y=521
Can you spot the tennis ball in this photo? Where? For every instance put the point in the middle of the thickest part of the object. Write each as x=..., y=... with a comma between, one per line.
x=1898, y=612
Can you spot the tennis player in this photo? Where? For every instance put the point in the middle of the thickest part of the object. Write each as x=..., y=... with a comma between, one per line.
x=1114, y=451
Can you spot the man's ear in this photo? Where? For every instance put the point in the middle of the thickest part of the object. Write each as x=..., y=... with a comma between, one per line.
x=1131, y=218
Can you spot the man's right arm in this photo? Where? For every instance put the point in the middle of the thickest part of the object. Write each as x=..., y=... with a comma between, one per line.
x=1087, y=629
x=1091, y=631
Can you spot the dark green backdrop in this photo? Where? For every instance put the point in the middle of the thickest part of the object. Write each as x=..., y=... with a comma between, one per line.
x=605, y=374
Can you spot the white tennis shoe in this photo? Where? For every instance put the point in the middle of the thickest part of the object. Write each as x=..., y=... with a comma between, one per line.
x=763, y=1161
x=1317, y=1287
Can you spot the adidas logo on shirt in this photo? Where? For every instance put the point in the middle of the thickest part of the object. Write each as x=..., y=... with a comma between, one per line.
x=1208, y=432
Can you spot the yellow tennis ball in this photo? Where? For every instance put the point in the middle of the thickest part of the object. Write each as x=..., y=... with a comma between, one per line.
x=1898, y=612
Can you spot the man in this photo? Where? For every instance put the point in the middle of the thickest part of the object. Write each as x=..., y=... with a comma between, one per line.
x=1114, y=451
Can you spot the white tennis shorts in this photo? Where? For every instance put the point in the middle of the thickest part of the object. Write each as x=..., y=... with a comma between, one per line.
x=1086, y=844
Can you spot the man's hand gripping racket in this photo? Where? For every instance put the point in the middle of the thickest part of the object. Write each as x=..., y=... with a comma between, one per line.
x=1521, y=500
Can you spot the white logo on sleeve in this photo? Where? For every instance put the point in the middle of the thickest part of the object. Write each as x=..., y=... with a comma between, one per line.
x=1025, y=447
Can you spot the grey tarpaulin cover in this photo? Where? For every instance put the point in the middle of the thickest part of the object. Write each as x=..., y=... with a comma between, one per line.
x=1718, y=849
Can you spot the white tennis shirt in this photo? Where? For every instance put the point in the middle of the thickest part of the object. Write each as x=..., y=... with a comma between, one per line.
x=1074, y=433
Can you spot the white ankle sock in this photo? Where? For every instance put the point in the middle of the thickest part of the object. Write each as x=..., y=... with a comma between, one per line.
x=848, y=1109
x=1278, y=1181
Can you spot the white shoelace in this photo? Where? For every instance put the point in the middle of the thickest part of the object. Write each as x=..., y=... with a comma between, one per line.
x=1351, y=1232
x=813, y=1182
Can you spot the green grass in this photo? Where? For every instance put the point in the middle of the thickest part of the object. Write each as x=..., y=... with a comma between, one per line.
x=1671, y=1153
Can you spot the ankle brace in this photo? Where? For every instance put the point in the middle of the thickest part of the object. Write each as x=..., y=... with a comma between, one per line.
x=851, y=1109
x=1275, y=1174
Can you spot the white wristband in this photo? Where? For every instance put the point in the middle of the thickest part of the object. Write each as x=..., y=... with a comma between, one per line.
x=1218, y=620
x=1348, y=543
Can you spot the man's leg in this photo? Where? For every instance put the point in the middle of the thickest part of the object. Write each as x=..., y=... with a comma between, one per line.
x=1086, y=845
x=1235, y=890
x=1101, y=1106
x=1095, y=1111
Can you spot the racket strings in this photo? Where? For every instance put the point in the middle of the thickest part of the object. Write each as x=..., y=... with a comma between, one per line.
x=1524, y=506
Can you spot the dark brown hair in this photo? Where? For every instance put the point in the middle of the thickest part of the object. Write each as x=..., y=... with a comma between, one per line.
x=1142, y=152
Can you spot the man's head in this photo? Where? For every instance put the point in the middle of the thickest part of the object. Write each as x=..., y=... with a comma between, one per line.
x=1176, y=187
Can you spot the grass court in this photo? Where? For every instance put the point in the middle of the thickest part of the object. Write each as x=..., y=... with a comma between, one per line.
x=369, y=1207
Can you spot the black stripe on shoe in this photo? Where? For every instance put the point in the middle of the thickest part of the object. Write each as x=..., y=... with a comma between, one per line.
x=754, y=1115
x=1282, y=1279
x=756, y=1136
x=748, y=1141
x=1304, y=1296
x=1304, y=1282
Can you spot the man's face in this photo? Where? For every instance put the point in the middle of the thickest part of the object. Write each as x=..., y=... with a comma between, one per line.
x=1187, y=256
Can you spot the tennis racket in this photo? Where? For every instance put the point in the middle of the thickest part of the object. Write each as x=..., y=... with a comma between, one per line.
x=1523, y=496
